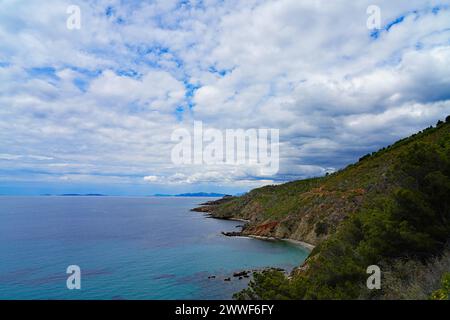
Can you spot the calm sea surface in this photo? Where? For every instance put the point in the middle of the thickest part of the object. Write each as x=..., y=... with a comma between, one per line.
x=127, y=248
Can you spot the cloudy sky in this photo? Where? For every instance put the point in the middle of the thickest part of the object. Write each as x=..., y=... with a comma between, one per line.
x=93, y=110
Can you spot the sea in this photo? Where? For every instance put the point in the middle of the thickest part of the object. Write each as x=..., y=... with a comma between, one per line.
x=126, y=248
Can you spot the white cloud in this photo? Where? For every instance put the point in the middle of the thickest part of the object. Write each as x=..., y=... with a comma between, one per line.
x=151, y=178
x=5, y=156
x=156, y=90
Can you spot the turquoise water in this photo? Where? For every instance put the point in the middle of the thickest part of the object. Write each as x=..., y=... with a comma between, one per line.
x=127, y=248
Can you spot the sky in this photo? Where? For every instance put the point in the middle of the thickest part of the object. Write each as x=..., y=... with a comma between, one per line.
x=92, y=110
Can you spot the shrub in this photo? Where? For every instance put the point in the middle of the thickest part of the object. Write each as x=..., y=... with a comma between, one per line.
x=444, y=292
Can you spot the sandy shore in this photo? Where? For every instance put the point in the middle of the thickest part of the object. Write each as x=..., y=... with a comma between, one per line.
x=227, y=219
x=239, y=220
x=303, y=244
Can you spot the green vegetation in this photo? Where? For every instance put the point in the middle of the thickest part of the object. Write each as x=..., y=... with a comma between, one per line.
x=444, y=292
x=391, y=209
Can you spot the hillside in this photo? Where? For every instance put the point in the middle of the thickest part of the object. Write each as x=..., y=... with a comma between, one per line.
x=390, y=206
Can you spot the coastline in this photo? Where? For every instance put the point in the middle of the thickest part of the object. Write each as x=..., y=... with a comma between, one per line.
x=227, y=219
x=206, y=209
x=302, y=244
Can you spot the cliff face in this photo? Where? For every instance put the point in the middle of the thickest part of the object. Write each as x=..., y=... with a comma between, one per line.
x=311, y=210
x=311, y=217
x=306, y=211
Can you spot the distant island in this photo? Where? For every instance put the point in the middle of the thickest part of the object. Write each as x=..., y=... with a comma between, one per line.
x=76, y=195
x=195, y=194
